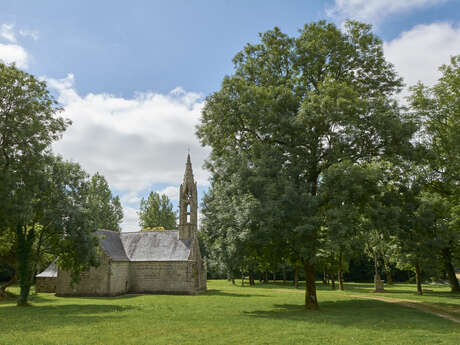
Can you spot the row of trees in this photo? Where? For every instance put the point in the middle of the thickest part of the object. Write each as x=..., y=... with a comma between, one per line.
x=49, y=207
x=313, y=159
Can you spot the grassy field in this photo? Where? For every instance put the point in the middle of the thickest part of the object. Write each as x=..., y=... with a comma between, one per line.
x=227, y=314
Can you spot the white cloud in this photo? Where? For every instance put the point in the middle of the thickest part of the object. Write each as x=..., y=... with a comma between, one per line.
x=130, y=220
x=33, y=34
x=10, y=53
x=171, y=192
x=418, y=53
x=374, y=11
x=130, y=198
x=6, y=31
x=134, y=142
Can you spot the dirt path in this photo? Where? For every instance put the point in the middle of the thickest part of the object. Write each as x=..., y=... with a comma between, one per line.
x=426, y=307
x=419, y=305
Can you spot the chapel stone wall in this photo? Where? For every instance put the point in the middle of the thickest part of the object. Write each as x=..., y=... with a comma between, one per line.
x=45, y=284
x=94, y=282
x=119, y=277
x=163, y=277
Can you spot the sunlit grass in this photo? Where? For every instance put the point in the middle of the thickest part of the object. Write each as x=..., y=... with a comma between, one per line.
x=228, y=314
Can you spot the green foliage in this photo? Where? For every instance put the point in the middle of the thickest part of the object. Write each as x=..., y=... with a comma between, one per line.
x=105, y=207
x=226, y=230
x=438, y=107
x=294, y=107
x=67, y=219
x=43, y=200
x=28, y=125
x=157, y=211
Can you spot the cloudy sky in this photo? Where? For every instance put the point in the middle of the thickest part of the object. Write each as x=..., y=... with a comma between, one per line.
x=132, y=76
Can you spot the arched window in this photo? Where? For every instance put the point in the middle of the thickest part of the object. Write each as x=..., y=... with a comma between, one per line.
x=187, y=212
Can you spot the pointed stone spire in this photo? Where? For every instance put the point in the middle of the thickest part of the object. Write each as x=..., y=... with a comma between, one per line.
x=188, y=203
x=188, y=175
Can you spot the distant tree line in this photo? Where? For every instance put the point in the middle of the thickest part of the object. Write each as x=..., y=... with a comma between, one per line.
x=315, y=165
x=49, y=208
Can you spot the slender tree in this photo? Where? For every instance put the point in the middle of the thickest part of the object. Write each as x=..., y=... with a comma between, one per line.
x=105, y=207
x=157, y=211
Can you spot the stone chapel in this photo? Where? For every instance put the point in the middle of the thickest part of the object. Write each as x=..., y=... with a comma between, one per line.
x=162, y=261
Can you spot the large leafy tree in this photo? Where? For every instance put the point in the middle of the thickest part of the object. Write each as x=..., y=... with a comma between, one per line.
x=42, y=199
x=439, y=109
x=64, y=222
x=347, y=191
x=105, y=207
x=293, y=108
x=28, y=125
x=157, y=211
x=230, y=216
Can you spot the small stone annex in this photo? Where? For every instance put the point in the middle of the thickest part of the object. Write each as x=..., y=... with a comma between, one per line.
x=162, y=261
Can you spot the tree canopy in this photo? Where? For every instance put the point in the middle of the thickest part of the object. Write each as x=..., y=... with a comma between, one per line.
x=44, y=200
x=157, y=211
x=105, y=208
x=294, y=107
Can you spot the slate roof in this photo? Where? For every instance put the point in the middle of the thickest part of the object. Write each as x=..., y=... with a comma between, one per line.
x=163, y=245
x=111, y=244
x=50, y=272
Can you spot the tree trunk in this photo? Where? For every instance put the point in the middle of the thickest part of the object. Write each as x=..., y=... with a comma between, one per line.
x=325, y=281
x=418, y=279
x=274, y=276
x=296, y=277
x=447, y=261
x=265, y=277
x=376, y=267
x=378, y=284
x=25, y=240
x=13, y=280
x=233, y=281
x=251, y=278
x=311, y=301
x=284, y=274
x=339, y=273
x=388, y=272
x=332, y=281
x=242, y=279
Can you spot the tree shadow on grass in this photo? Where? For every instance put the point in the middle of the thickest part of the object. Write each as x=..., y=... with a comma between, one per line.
x=31, y=318
x=216, y=292
x=362, y=314
x=394, y=289
x=363, y=288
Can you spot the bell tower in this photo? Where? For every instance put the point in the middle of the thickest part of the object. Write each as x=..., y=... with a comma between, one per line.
x=188, y=204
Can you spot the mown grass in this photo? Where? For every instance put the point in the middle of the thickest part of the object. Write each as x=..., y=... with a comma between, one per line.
x=228, y=314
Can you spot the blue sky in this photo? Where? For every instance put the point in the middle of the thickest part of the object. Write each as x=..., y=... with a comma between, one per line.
x=133, y=75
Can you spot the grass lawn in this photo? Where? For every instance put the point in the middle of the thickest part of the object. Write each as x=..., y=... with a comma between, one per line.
x=228, y=314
